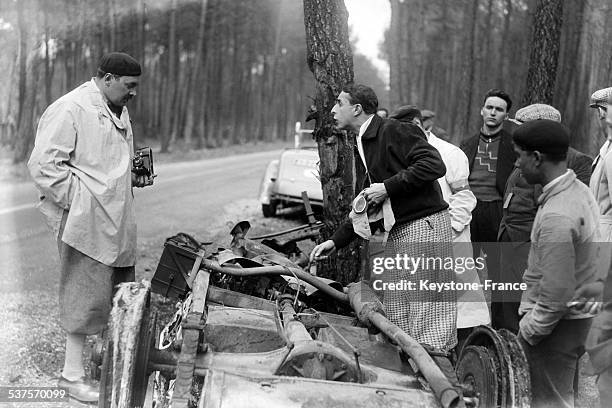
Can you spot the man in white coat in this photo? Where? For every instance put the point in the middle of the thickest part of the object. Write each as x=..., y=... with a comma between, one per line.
x=81, y=164
x=472, y=308
x=599, y=345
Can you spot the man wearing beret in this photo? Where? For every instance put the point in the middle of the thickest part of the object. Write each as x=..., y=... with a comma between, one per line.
x=562, y=260
x=81, y=164
x=397, y=170
x=491, y=161
x=519, y=208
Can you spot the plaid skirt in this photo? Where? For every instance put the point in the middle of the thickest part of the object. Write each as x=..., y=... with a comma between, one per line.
x=429, y=316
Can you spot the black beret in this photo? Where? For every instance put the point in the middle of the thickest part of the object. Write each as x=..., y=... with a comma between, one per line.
x=406, y=113
x=543, y=135
x=119, y=63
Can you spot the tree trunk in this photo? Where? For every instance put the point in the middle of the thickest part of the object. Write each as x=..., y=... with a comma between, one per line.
x=168, y=100
x=143, y=113
x=22, y=58
x=393, y=48
x=112, y=22
x=26, y=127
x=330, y=59
x=503, y=71
x=197, y=63
x=48, y=75
x=469, y=63
x=544, y=56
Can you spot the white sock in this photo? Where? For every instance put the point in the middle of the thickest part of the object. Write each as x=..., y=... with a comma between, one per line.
x=73, y=362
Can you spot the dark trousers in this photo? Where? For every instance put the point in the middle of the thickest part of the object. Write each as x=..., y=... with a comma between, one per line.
x=484, y=227
x=553, y=363
x=513, y=262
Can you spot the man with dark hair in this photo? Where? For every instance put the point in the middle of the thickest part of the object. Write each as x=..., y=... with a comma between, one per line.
x=519, y=208
x=562, y=261
x=491, y=161
x=396, y=174
x=81, y=164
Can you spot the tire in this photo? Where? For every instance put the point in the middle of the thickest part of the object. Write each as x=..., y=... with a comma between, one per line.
x=269, y=210
x=136, y=357
x=476, y=370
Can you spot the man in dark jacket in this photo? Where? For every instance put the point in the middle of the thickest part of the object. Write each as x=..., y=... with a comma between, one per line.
x=491, y=158
x=396, y=170
x=519, y=209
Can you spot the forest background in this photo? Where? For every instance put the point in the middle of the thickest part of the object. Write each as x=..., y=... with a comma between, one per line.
x=222, y=72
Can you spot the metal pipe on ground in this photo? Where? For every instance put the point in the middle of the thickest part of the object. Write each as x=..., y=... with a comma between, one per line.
x=277, y=270
x=441, y=386
x=370, y=312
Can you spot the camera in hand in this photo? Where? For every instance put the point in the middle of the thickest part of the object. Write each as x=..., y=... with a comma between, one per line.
x=142, y=162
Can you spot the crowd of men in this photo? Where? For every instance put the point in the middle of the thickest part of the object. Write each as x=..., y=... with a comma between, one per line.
x=523, y=198
x=516, y=182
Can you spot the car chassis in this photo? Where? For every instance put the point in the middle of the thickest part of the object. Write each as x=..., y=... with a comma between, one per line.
x=276, y=351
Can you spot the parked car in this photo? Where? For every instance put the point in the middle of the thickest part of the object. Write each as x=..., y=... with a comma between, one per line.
x=296, y=170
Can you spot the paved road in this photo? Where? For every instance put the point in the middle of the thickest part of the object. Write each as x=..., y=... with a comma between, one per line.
x=186, y=197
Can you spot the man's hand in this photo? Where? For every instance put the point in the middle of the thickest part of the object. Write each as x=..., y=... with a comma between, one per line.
x=141, y=181
x=376, y=194
x=587, y=298
x=323, y=250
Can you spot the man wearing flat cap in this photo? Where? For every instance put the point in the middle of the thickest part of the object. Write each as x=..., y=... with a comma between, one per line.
x=81, y=164
x=519, y=208
x=600, y=339
x=599, y=101
x=562, y=260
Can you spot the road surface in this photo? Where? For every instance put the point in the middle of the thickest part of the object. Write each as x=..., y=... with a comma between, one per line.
x=187, y=196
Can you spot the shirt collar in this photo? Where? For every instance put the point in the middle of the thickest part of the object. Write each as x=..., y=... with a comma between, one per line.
x=119, y=122
x=365, y=125
x=556, y=185
x=554, y=182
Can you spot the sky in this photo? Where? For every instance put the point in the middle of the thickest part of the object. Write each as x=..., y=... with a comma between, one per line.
x=368, y=20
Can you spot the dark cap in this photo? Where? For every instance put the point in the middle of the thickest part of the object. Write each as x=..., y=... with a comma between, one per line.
x=543, y=135
x=406, y=113
x=427, y=114
x=119, y=63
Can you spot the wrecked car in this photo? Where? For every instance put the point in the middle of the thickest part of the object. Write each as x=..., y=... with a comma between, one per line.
x=254, y=329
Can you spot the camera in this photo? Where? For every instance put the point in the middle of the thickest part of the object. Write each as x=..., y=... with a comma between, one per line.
x=142, y=162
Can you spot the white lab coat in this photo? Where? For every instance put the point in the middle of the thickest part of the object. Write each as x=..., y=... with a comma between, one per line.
x=472, y=309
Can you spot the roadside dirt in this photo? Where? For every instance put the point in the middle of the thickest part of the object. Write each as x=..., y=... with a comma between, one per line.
x=33, y=352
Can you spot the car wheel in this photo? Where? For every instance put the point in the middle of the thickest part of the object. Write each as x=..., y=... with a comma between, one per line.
x=269, y=210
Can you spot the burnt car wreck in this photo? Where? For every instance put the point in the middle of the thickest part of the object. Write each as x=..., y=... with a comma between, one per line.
x=254, y=329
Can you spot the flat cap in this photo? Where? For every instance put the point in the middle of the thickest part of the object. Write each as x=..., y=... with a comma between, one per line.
x=543, y=135
x=601, y=97
x=537, y=111
x=427, y=114
x=406, y=113
x=119, y=63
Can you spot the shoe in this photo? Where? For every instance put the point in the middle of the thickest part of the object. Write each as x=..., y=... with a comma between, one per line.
x=80, y=389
